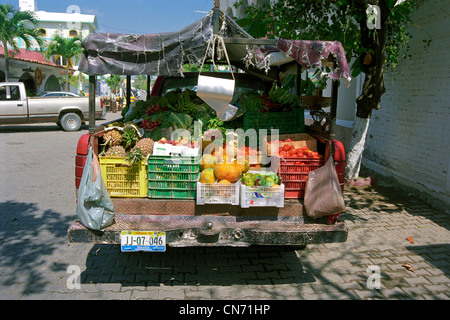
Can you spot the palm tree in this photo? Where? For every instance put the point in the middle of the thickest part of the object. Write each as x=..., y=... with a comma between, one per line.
x=17, y=24
x=67, y=48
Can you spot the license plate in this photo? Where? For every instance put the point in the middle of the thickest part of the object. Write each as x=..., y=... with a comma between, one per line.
x=152, y=241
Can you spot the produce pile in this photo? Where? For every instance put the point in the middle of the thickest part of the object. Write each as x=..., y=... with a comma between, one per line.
x=269, y=179
x=290, y=151
x=125, y=141
x=223, y=172
x=278, y=99
x=146, y=130
x=176, y=109
x=180, y=108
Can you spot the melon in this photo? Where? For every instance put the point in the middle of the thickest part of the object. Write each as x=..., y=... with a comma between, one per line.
x=227, y=171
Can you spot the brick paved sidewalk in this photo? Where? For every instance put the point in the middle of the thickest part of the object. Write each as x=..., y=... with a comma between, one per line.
x=37, y=206
x=379, y=220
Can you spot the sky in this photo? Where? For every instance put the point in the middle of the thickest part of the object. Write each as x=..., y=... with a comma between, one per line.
x=133, y=16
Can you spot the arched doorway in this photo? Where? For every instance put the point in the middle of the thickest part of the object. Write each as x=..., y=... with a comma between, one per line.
x=52, y=84
x=28, y=81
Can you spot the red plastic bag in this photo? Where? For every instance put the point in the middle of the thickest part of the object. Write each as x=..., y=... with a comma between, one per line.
x=323, y=194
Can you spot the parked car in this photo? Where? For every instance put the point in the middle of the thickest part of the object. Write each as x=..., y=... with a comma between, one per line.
x=68, y=112
x=59, y=94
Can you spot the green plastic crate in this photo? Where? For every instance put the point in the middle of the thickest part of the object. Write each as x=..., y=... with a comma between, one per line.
x=286, y=121
x=173, y=177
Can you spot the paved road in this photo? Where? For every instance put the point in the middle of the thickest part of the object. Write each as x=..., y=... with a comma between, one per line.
x=37, y=205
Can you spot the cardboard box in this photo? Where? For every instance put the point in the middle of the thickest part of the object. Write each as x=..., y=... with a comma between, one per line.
x=298, y=140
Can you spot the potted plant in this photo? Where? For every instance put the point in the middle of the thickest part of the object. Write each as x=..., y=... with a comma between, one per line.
x=312, y=89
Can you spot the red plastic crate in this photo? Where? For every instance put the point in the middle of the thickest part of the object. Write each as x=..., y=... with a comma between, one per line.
x=294, y=176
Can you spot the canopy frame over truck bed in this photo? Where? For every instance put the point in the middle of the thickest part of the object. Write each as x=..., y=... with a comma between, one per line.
x=214, y=225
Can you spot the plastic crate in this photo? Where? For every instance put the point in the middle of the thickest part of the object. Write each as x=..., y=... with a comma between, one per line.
x=172, y=177
x=260, y=196
x=294, y=176
x=123, y=180
x=216, y=193
x=286, y=121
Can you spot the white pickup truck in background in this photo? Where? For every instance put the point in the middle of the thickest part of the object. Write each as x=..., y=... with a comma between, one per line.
x=68, y=112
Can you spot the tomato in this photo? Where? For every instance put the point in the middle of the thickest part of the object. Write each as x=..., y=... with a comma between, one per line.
x=315, y=155
x=283, y=154
x=286, y=147
x=310, y=154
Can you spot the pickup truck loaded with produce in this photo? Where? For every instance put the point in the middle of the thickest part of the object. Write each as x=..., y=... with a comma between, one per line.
x=68, y=112
x=221, y=162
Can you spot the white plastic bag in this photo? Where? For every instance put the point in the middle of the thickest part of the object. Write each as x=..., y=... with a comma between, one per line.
x=94, y=207
x=323, y=194
x=217, y=92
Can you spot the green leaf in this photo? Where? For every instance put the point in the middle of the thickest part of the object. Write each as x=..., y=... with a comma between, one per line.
x=180, y=120
x=356, y=68
x=390, y=3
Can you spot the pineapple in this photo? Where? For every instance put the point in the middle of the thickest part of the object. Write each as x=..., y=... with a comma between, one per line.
x=112, y=137
x=116, y=151
x=146, y=146
x=134, y=156
x=129, y=137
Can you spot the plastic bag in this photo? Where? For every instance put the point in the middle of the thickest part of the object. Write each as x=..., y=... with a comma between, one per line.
x=94, y=207
x=215, y=91
x=323, y=194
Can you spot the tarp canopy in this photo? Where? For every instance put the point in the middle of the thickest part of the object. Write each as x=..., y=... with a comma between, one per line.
x=165, y=53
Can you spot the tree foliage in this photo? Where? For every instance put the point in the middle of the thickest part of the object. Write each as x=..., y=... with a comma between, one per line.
x=372, y=49
x=67, y=48
x=113, y=82
x=17, y=24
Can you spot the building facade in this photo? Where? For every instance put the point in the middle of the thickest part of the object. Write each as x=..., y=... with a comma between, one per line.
x=408, y=137
x=31, y=68
x=23, y=65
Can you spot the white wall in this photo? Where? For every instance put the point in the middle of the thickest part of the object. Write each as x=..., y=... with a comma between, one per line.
x=408, y=137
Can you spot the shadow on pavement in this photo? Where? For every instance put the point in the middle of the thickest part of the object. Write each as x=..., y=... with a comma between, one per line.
x=390, y=199
x=434, y=254
x=194, y=266
x=263, y=267
x=27, y=236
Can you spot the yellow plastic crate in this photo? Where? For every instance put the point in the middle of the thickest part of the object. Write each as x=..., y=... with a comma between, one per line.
x=123, y=180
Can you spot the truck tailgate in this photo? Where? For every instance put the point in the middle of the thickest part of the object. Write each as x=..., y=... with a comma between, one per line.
x=186, y=224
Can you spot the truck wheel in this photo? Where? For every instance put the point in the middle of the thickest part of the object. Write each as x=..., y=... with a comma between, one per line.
x=70, y=122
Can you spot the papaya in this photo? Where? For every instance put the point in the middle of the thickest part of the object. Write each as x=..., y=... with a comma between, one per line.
x=207, y=176
x=227, y=171
x=223, y=191
x=243, y=166
x=208, y=161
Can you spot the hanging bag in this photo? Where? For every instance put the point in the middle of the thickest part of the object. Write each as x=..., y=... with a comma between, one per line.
x=214, y=91
x=323, y=194
x=94, y=207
